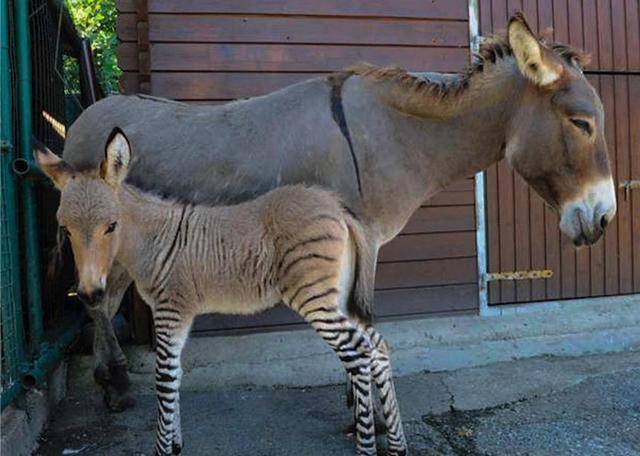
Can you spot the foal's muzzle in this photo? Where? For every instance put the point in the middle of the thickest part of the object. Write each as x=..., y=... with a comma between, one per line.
x=91, y=298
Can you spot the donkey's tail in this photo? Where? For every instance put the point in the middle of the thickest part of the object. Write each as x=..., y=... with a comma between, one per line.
x=360, y=302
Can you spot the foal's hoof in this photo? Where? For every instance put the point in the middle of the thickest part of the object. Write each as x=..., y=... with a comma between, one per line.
x=396, y=452
x=117, y=402
x=176, y=448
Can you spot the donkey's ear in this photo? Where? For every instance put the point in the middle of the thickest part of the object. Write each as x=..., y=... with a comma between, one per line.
x=536, y=62
x=51, y=165
x=117, y=156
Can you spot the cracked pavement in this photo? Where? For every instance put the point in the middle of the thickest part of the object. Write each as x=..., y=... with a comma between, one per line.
x=585, y=406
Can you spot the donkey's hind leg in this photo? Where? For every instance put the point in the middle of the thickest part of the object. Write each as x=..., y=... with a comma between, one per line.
x=381, y=372
x=110, y=371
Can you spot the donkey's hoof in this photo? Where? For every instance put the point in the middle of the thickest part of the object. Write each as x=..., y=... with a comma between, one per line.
x=118, y=402
x=177, y=448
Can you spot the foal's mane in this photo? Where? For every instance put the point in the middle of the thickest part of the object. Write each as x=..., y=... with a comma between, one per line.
x=492, y=50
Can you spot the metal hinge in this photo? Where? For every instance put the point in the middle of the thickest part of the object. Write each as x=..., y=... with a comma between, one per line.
x=519, y=275
x=629, y=184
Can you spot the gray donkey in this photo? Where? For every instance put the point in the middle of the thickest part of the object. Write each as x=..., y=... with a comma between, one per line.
x=383, y=139
x=296, y=245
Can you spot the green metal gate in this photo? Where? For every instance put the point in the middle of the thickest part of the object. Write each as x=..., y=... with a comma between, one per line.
x=38, y=321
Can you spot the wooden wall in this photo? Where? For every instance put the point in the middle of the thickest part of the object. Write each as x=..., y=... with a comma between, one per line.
x=216, y=51
x=522, y=232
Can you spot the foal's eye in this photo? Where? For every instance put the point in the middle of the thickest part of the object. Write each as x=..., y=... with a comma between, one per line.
x=111, y=228
x=582, y=125
x=65, y=231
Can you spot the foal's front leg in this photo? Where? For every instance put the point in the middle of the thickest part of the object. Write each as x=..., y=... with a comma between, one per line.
x=172, y=329
x=110, y=371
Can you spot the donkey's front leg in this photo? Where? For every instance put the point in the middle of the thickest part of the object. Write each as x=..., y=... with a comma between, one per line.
x=110, y=371
x=172, y=329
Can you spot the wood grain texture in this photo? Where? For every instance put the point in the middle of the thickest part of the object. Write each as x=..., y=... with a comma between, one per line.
x=411, y=247
x=441, y=219
x=416, y=9
x=426, y=273
x=209, y=28
x=239, y=57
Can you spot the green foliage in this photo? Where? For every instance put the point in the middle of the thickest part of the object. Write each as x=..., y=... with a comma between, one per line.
x=96, y=20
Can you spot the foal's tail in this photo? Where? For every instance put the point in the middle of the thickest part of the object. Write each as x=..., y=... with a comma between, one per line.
x=360, y=303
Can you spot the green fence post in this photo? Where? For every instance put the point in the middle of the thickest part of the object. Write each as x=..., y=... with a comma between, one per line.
x=32, y=260
x=10, y=286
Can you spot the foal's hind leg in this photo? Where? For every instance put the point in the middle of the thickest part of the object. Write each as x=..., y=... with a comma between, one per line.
x=351, y=344
x=110, y=362
x=381, y=372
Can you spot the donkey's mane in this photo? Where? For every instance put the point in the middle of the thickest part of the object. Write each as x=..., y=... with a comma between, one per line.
x=491, y=51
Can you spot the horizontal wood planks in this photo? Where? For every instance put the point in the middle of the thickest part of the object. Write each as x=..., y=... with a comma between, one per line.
x=522, y=232
x=203, y=57
x=215, y=51
x=437, y=9
x=221, y=28
x=199, y=46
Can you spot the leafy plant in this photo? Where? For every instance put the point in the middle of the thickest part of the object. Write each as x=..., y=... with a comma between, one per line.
x=96, y=20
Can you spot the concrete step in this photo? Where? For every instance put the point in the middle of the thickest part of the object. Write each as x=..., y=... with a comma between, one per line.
x=300, y=358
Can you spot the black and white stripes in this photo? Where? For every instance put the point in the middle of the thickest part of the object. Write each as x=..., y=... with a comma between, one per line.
x=171, y=335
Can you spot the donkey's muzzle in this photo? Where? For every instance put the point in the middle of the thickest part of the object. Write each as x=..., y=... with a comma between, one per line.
x=585, y=227
x=584, y=219
x=91, y=298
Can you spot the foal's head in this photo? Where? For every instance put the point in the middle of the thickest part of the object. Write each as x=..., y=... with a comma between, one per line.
x=556, y=140
x=89, y=211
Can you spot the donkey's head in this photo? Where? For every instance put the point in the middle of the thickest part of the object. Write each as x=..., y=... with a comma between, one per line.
x=89, y=211
x=556, y=138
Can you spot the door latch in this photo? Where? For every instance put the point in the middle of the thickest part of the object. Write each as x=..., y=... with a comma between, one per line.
x=519, y=275
x=629, y=185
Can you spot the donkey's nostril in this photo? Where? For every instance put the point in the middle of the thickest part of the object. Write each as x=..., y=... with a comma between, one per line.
x=604, y=221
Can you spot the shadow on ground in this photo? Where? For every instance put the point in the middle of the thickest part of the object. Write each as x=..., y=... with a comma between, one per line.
x=544, y=406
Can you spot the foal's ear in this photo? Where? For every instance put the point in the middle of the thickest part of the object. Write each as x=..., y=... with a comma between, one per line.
x=117, y=156
x=51, y=165
x=536, y=62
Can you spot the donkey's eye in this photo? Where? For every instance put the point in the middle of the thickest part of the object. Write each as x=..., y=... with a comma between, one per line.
x=111, y=228
x=65, y=231
x=582, y=125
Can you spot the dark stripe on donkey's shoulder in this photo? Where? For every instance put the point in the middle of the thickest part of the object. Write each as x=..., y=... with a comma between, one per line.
x=337, y=112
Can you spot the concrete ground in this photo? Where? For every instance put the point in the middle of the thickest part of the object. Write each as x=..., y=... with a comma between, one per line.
x=587, y=405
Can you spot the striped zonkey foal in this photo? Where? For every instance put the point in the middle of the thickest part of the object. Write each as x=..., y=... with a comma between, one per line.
x=295, y=245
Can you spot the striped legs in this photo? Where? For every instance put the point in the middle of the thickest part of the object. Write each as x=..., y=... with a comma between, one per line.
x=381, y=371
x=353, y=347
x=172, y=331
